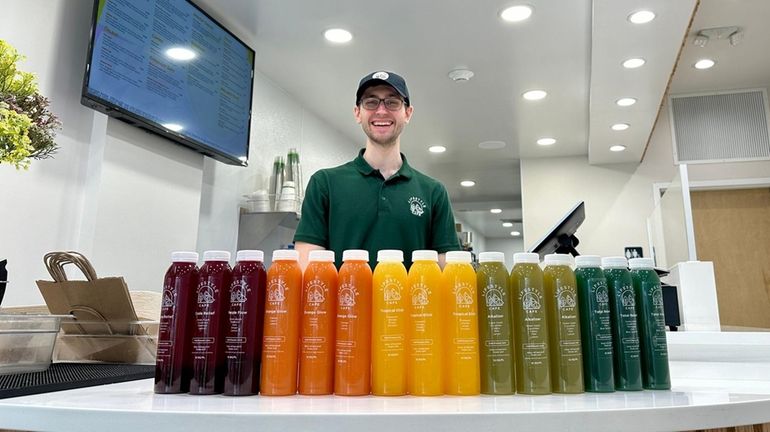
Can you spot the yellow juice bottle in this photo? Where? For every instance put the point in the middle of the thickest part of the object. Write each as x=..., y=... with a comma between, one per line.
x=461, y=331
x=424, y=361
x=389, y=324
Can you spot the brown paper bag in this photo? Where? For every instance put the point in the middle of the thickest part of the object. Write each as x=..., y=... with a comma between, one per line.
x=104, y=327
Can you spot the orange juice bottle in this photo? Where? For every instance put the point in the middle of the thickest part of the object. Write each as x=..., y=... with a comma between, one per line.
x=353, y=354
x=319, y=308
x=281, y=329
x=424, y=365
x=461, y=331
x=389, y=319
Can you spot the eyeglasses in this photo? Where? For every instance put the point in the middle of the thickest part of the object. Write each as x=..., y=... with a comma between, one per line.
x=391, y=103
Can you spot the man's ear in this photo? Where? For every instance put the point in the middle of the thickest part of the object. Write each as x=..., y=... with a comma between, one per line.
x=357, y=114
x=408, y=112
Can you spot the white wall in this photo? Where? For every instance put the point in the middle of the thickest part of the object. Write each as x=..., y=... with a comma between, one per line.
x=618, y=197
x=507, y=246
x=279, y=123
x=123, y=197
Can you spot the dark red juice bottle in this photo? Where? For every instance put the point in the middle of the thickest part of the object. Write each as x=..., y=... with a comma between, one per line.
x=243, y=324
x=172, y=364
x=208, y=350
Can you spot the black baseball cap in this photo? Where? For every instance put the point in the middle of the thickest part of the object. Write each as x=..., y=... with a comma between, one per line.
x=382, y=77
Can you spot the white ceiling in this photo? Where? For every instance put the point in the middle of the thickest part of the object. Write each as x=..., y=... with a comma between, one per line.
x=572, y=49
x=746, y=65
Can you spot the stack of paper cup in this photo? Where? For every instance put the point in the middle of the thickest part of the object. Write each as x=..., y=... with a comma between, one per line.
x=288, y=201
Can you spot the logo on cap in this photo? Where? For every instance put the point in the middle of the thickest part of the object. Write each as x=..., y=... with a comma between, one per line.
x=380, y=75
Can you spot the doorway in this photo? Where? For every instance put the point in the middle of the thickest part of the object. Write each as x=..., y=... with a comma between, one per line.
x=732, y=229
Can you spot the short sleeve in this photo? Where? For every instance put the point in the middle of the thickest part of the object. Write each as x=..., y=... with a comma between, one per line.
x=443, y=237
x=313, y=225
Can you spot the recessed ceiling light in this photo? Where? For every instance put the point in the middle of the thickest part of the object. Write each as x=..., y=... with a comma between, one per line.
x=546, y=141
x=634, y=63
x=534, y=95
x=516, y=13
x=338, y=35
x=495, y=211
x=624, y=102
x=180, y=53
x=620, y=126
x=507, y=224
x=467, y=183
x=515, y=233
x=617, y=148
x=173, y=127
x=492, y=145
x=704, y=64
x=641, y=17
x=437, y=149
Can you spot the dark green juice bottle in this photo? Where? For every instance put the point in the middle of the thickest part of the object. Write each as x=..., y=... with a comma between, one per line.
x=595, y=324
x=495, y=325
x=563, y=324
x=625, y=336
x=652, y=324
x=530, y=325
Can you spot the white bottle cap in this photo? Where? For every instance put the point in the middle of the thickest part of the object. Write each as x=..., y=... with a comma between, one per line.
x=526, y=258
x=615, y=262
x=216, y=255
x=558, y=259
x=355, y=255
x=588, y=261
x=390, y=255
x=285, y=254
x=424, y=255
x=458, y=257
x=184, y=256
x=249, y=255
x=641, y=263
x=321, y=255
x=491, y=257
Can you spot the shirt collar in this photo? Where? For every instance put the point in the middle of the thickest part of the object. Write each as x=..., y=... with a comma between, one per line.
x=364, y=168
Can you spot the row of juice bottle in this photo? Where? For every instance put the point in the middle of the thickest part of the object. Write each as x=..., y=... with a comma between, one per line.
x=421, y=332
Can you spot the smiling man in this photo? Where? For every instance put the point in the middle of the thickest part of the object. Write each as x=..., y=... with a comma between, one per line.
x=377, y=201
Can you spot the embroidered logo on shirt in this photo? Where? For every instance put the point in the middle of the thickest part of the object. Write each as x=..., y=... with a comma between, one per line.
x=417, y=206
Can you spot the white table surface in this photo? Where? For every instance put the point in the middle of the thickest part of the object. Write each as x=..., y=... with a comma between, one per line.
x=132, y=406
x=706, y=392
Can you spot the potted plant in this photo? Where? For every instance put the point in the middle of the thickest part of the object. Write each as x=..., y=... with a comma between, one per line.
x=27, y=126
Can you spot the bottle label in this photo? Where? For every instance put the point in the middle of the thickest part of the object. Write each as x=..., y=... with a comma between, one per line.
x=465, y=316
x=600, y=317
x=569, y=332
x=530, y=300
x=393, y=339
x=235, y=341
x=629, y=333
x=659, y=344
x=497, y=304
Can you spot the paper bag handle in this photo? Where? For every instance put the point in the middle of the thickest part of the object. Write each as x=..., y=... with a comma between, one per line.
x=55, y=262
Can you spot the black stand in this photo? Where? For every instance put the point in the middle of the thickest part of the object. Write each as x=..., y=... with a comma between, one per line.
x=567, y=244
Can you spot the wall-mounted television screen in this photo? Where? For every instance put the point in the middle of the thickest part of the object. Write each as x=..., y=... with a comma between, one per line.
x=168, y=67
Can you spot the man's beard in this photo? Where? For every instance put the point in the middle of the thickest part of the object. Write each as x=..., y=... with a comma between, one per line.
x=379, y=140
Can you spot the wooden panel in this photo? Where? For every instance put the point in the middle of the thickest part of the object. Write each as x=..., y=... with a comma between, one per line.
x=732, y=229
x=747, y=428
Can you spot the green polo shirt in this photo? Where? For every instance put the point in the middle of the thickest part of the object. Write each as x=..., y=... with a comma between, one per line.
x=353, y=207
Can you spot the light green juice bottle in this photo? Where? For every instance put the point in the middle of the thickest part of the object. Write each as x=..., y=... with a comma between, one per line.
x=563, y=324
x=495, y=325
x=530, y=325
x=652, y=324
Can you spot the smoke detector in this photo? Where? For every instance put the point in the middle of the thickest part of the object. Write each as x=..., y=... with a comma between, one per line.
x=461, y=75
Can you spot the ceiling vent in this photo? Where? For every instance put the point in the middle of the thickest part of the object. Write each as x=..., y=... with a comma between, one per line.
x=720, y=127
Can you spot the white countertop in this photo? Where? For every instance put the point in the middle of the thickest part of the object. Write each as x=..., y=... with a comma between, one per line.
x=705, y=394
